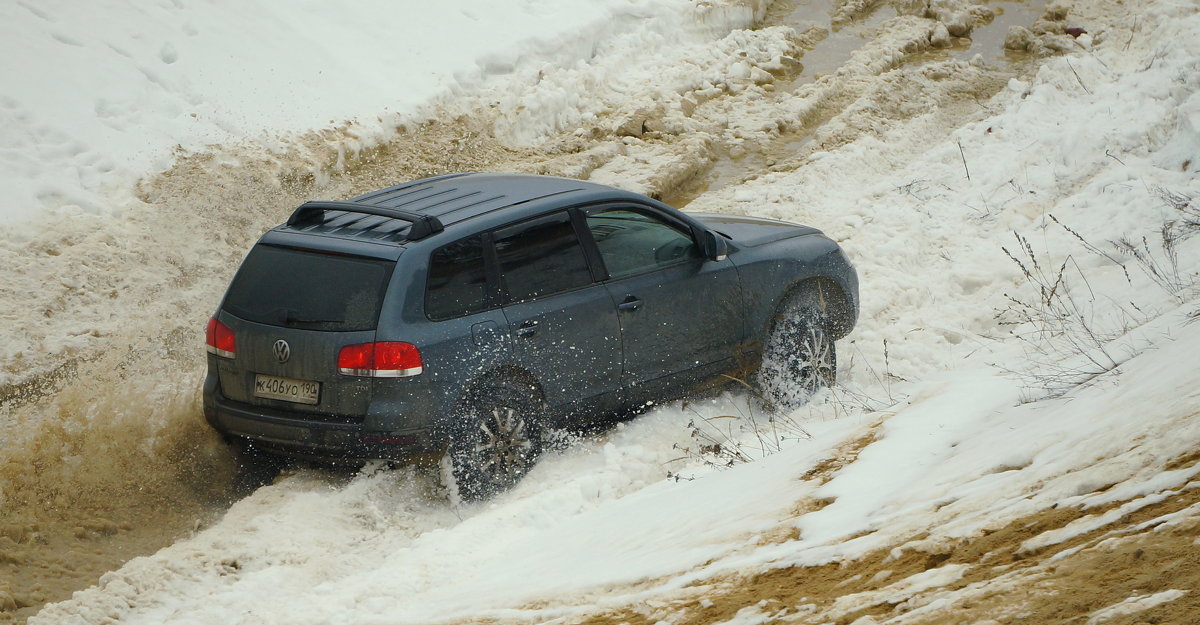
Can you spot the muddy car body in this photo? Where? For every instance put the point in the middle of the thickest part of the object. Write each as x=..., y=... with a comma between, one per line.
x=488, y=307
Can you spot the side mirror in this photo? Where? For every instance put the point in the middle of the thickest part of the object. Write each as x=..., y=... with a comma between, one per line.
x=715, y=247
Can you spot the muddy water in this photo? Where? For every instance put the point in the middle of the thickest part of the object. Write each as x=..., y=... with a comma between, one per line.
x=104, y=455
x=107, y=458
x=987, y=41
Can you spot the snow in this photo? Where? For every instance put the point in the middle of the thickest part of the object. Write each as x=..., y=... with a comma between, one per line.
x=1133, y=605
x=749, y=615
x=380, y=549
x=978, y=429
x=904, y=589
x=100, y=94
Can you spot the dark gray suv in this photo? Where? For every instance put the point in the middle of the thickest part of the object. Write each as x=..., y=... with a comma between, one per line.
x=459, y=316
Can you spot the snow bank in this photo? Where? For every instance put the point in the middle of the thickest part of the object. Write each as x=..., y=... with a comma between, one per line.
x=99, y=94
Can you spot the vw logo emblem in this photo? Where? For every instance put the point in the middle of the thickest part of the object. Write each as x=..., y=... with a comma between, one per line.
x=282, y=350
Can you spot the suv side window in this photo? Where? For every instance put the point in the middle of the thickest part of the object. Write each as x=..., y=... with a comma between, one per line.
x=633, y=242
x=540, y=257
x=457, y=280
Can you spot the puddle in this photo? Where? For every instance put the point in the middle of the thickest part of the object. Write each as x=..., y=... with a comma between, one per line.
x=988, y=40
x=843, y=39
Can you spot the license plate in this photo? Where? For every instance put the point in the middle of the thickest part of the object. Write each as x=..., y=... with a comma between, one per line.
x=286, y=389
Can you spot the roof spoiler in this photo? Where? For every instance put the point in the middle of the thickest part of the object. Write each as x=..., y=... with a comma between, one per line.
x=422, y=225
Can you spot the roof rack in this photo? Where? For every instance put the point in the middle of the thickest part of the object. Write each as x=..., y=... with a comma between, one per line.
x=422, y=225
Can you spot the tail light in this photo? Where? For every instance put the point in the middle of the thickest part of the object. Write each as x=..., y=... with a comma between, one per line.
x=380, y=360
x=220, y=339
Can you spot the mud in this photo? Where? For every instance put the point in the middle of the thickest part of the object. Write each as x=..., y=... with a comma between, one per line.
x=82, y=497
x=106, y=453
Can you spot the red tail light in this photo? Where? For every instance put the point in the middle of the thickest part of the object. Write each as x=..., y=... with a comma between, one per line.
x=380, y=360
x=220, y=339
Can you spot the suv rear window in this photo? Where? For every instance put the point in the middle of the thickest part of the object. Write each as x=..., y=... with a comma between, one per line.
x=310, y=290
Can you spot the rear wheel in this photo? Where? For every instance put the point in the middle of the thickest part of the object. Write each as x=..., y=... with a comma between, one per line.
x=799, y=357
x=497, y=440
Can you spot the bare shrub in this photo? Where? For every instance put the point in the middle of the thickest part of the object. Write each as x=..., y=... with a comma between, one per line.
x=1069, y=341
x=1161, y=265
x=758, y=428
x=1162, y=269
x=756, y=431
x=1066, y=341
x=1189, y=212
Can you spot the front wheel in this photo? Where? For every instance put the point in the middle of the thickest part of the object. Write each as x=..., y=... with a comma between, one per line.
x=799, y=357
x=495, y=442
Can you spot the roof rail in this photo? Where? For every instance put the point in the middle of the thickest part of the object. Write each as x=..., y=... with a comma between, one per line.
x=422, y=225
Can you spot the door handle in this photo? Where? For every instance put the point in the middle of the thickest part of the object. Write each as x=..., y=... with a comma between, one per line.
x=527, y=329
x=631, y=303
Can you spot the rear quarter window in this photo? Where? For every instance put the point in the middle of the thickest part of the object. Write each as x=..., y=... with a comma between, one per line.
x=309, y=290
x=457, y=280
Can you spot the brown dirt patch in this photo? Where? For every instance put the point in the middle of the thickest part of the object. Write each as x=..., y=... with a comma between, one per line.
x=844, y=455
x=1142, y=554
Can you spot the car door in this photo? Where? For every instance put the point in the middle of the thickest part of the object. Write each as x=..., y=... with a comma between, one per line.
x=563, y=324
x=680, y=313
x=469, y=334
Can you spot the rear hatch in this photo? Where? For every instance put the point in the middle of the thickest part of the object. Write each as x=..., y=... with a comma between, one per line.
x=291, y=311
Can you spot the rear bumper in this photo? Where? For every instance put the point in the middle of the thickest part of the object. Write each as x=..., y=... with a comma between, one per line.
x=286, y=435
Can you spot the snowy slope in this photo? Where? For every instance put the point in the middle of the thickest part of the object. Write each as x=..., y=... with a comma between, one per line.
x=956, y=415
x=99, y=94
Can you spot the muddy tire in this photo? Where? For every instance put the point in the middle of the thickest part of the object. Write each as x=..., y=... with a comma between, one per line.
x=799, y=356
x=496, y=440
